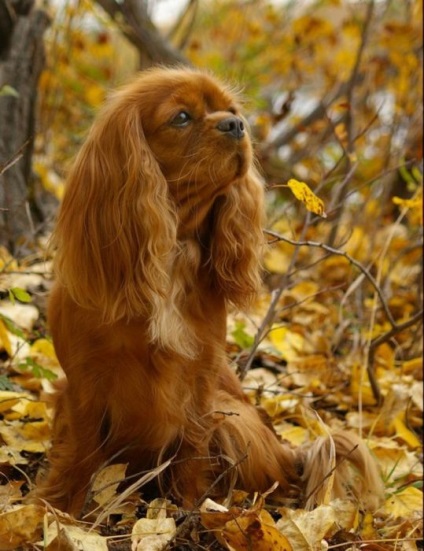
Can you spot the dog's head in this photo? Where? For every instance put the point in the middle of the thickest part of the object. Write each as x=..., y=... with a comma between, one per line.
x=167, y=161
x=193, y=130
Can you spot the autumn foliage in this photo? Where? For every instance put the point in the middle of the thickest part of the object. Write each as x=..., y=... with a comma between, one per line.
x=334, y=93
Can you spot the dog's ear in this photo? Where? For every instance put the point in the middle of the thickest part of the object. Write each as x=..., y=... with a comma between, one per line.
x=116, y=230
x=238, y=240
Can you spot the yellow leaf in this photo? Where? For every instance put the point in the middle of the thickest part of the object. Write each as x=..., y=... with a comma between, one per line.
x=68, y=537
x=287, y=342
x=30, y=437
x=279, y=404
x=407, y=203
x=303, y=193
x=395, y=460
x=20, y=526
x=254, y=531
x=94, y=95
x=107, y=481
x=8, y=399
x=7, y=260
x=239, y=529
x=28, y=408
x=411, y=365
x=44, y=347
x=360, y=385
x=277, y=259
x=406, y=504
x=152, y=534
x=404, y=433
x=4, y=339
x=305, y=530
x=295, y=435
x=368, y=530
x=415, y=206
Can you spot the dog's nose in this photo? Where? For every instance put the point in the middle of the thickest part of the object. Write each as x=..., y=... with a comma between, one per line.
x=232, y=126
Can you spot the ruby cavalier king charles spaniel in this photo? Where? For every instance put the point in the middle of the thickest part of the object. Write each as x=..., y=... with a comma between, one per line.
x=159, y=233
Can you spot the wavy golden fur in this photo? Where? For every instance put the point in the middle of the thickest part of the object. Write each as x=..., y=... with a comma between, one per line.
x=159, y=231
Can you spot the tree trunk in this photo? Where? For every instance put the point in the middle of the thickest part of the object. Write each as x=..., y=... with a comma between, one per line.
x=21, y=61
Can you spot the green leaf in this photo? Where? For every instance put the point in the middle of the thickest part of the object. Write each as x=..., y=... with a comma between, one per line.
x=12, y=327
x=20, y=294
x=37, y=370
x=7, y=90
x=243, y=339
x=5, y=384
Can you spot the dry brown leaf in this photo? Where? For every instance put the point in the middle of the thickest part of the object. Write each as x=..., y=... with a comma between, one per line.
x=9, y=493
x=240, y=530
x=23, y=524
x=306, y=529
x=152, y=534
x=254, y=531
x=106, y=482
x=63, y=537
x=395, y=460
x=22, y=438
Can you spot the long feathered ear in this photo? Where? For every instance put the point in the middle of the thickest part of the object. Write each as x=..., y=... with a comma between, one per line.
x=116, y=230
x=237, y=241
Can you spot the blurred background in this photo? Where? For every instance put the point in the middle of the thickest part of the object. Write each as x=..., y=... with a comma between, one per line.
x=333, y=92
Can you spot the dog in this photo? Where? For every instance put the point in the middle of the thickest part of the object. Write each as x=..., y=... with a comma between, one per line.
x=159, y=233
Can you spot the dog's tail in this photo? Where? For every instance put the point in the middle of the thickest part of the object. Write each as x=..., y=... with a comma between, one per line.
x=337, y=466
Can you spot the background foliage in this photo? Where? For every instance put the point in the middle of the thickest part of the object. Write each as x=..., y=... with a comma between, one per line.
x=333, y=92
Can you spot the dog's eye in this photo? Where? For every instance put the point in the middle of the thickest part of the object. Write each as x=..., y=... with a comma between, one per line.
x=182, y=119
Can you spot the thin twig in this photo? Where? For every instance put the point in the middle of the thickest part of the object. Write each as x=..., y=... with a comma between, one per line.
x=395, y=326
x=342, y=189
x=398, y=328
x=352, y=260
x=269, y=316
x=202, y=498
x=14, y=159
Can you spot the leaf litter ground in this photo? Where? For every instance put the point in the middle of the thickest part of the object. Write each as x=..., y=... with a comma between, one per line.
x=308, y=372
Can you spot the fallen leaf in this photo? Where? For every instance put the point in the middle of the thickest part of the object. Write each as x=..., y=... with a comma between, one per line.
x=106, y=483
x=29, y=437
x=287, y=342
x=254, y=531
x=9, y=398
x=63, y=537
x=306, y=529
x=11, y=456
x=240, y=529
x=24, y=315
x=396, y=461
x=9, y=493
x=404, y=433
x=4, y=339
x=407, y=503
x=152, y=534
x=23, y=524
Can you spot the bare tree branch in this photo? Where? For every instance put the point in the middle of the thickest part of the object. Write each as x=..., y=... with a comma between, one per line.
x=375, y=343
x=352, y=260
x=396, y=327
x=132, y=18
x=342, y=189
